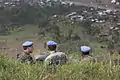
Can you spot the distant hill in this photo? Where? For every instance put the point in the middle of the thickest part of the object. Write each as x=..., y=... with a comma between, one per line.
x=88, y=1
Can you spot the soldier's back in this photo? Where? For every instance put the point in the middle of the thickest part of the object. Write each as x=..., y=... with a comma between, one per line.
x=57, y=58
x=87, y=59
x=25, y=58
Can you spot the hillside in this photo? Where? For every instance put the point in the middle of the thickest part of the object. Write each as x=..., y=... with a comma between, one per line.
x=11, y=44
x=64, y=23
x=96, y=1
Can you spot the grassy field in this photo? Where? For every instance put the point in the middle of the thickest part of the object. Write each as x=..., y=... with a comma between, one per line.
x=16, y=38
x=28, y=31
x=12, y=70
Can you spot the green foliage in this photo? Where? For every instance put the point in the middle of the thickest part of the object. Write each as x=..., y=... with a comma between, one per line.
x=21, y=33
x=60, y=29
x=12, y=70
x=24, y=14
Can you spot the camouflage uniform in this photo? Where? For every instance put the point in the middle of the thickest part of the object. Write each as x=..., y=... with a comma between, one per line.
x=57, y=58
x=88, y=58
x=25, y=58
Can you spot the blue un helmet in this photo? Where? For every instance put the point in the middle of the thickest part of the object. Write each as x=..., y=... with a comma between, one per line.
x=85, y=49
x=27, y=44
x=51, y=43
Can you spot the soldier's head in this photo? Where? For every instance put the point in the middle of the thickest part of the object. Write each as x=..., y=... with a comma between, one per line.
x=52, y=45
x=28, y=47
x=85, y=50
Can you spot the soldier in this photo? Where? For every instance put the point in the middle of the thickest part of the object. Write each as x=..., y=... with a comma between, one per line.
x=55, y=57
x=85, y=54
x=25, y=56
x=52, y=45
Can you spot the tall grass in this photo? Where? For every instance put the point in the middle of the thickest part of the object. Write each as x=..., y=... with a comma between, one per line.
x=13, y=70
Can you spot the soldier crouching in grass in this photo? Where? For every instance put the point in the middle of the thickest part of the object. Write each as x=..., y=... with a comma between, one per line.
x=25, y=56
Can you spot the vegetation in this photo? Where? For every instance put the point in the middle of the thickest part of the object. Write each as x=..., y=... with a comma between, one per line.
x=50, y=23
x=21, y=15
x=12, y=70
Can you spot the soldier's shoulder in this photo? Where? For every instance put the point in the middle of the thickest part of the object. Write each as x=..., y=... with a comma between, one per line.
x=56, y=58
x=24, y=58
x=91, y=58
x=59, y=53
x=88, y=59
x=21, y=57
x=20, y=54
x=55, y=54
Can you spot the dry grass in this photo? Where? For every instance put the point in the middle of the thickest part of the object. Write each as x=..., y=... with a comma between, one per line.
x=12, y=70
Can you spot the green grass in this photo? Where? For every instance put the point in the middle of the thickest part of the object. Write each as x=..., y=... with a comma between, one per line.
x=28, y=32
x=13, y=70
x=97, y=50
